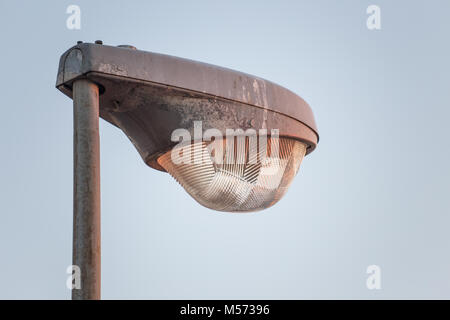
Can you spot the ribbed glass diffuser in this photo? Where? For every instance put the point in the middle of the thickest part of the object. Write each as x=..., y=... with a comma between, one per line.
x=236, y=176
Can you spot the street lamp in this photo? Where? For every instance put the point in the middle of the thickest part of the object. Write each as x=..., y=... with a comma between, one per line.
x=183, y=117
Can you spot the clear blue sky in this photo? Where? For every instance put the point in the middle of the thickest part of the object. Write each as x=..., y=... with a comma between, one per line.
x=376, y=190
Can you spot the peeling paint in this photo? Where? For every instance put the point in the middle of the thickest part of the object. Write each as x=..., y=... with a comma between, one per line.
x=110, y=68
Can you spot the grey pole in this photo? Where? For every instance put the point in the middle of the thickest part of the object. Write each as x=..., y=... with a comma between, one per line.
x=86, y=198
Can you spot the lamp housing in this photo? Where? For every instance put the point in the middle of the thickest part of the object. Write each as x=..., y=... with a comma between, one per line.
x=149, y=96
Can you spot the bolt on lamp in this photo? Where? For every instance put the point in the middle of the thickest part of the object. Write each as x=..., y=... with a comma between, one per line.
x=151, y=97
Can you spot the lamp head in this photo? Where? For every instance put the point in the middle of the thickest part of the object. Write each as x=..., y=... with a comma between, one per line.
x=232, y=140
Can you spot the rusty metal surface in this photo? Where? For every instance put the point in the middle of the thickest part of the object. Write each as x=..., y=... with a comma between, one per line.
x=149, y=95
x=149, y=115
x=186, y=74
x=86, y=204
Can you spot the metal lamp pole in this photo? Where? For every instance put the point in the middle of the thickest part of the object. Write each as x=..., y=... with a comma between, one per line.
x=86, y=196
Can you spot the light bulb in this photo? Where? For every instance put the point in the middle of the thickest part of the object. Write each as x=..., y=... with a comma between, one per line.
x=226, y=175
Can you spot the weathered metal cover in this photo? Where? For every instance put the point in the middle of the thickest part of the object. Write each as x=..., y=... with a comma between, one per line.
x=148, y=95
